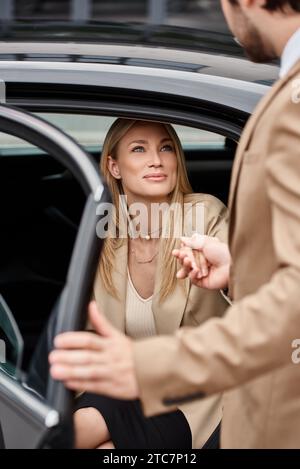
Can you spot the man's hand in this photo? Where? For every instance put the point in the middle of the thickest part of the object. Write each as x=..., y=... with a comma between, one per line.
x=100, y=363
x=214, y=274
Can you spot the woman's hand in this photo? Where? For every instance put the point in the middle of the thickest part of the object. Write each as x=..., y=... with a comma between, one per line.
x=100, y=363
x=216, y=255
x=191, y=260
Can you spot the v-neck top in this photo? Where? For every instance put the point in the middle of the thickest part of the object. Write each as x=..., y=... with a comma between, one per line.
x=139, y=315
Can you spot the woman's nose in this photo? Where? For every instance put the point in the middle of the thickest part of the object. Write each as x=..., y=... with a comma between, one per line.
x=155, y=159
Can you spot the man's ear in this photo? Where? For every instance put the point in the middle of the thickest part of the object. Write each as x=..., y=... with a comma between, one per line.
x=113, y=167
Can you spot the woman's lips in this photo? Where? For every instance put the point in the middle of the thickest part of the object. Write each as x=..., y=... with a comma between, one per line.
x=156, y=177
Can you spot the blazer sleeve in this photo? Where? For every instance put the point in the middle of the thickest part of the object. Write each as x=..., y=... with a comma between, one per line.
x=255, y=336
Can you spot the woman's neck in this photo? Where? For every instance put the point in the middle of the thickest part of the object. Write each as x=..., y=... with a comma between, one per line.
x=146, y=216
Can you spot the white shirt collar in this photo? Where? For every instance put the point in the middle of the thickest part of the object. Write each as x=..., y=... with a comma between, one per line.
x=291, y=54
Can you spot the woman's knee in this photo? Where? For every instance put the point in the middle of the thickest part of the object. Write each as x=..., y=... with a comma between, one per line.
x=90, y=428
x=107, y=445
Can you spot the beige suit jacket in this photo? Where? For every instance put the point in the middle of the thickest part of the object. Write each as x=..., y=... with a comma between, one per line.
x=190, y=307
x=248, y=352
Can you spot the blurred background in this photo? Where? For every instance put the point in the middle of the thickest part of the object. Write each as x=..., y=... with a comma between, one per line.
x=199, y=14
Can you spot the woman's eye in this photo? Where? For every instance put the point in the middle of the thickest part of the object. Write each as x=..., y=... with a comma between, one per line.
x=167, y=148
x=138, y=149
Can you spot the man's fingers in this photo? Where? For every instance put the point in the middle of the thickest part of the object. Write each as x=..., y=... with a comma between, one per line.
x=79, y=340
x=182, y=273
x=74, y=357
x=68, y=373
x=201, y=263
x=188, y=263
x=195, y=274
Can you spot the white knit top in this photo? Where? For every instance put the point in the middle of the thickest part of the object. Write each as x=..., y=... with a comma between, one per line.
x=139, y=316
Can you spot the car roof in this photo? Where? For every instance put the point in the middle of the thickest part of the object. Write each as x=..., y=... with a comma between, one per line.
x=166, y=47
x=180, y=61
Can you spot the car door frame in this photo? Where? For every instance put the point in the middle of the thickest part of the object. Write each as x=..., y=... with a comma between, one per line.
x=42, y=418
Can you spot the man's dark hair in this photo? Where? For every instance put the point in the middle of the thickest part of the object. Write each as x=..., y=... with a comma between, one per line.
x=273, y=5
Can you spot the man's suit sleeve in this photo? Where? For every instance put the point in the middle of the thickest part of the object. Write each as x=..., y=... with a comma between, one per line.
x=255, y=335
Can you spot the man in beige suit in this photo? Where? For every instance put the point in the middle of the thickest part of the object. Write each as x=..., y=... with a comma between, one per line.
x=248, y=353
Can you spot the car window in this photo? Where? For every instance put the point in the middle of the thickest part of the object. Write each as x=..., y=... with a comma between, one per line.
x=89, y=131
x=193, y=139
x=9, y=144
x=208, y=154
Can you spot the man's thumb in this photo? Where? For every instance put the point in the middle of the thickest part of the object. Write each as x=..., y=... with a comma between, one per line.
x=99, y=321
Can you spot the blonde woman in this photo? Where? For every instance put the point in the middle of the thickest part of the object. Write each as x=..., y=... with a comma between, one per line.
x=136, y=285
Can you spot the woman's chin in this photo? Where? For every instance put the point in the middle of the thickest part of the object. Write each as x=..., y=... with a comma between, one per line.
x=156, y=196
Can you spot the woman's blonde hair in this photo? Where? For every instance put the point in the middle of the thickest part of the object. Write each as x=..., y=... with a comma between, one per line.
x=107, y=262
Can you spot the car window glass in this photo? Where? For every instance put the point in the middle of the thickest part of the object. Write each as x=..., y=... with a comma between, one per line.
x=9, y=144
x=208, y=155
x=90, y=131
x=193, y=139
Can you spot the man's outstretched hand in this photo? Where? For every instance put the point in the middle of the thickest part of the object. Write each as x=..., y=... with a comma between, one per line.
x=205, y=260
x=100, y=362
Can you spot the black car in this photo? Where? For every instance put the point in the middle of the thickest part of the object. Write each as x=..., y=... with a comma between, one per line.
x=63, y=88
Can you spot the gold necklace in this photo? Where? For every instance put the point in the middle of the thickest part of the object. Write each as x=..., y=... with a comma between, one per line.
x=143, y=261
x=147, y=261
x=148, y=236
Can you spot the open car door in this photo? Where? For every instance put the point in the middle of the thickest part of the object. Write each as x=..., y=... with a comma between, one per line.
x=28, y=419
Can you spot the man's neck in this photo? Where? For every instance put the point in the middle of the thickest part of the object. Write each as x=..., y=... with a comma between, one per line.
x=284, y=34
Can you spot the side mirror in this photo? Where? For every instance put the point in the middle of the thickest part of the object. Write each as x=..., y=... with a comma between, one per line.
x=11, y=342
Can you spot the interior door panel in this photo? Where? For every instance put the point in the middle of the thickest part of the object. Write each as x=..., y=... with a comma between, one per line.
x=26, y=421
x=39, y=225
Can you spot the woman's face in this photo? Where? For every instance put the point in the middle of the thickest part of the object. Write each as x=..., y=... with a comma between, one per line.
x=146, y=162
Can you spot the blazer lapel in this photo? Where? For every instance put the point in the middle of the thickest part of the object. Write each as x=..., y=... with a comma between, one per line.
x=247, y=134
x=114, y=309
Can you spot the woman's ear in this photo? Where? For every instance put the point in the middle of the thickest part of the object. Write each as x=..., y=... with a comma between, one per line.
x=113, y=167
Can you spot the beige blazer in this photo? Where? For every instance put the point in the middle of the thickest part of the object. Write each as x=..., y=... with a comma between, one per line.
x=182, y=308
x=249, y=351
